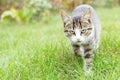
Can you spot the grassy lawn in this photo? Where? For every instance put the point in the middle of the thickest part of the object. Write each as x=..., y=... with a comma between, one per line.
x=40, y=51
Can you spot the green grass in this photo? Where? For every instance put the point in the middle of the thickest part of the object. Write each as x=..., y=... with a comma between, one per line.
x=40, y=51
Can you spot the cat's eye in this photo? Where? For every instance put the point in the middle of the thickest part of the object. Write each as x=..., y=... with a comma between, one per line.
x=83, y=30
x=72, y=32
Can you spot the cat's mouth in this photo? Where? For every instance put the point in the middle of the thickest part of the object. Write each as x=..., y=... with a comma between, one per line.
x=77, y=43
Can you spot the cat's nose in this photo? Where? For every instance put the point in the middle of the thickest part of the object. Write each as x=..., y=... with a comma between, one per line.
x=78, y=40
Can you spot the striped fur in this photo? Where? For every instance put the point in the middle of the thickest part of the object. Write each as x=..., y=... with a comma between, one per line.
x=83, y=30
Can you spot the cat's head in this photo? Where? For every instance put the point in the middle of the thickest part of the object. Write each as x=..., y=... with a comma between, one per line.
x=78, y=28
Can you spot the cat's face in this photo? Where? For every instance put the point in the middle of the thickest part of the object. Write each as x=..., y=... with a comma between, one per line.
x=77, y=29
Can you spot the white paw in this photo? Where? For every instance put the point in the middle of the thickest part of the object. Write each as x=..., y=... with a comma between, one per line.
x=88, y=72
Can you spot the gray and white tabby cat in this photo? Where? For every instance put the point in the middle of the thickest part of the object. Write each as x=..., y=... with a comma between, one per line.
x=83, y=30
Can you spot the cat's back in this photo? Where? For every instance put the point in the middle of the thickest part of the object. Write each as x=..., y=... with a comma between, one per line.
x=80, y=10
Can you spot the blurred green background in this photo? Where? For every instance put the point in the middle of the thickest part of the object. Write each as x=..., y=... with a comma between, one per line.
x=24, y=11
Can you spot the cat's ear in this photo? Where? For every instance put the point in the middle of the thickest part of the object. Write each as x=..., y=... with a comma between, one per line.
x=88, y=14
x=63, y=15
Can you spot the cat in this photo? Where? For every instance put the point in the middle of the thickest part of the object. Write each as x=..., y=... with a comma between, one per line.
x=83, y=30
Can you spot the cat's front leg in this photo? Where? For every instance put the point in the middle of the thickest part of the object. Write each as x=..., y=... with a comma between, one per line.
x=88, y=59
x=76, y=50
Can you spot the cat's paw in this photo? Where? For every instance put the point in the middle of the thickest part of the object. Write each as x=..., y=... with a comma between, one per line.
x=88, y=72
